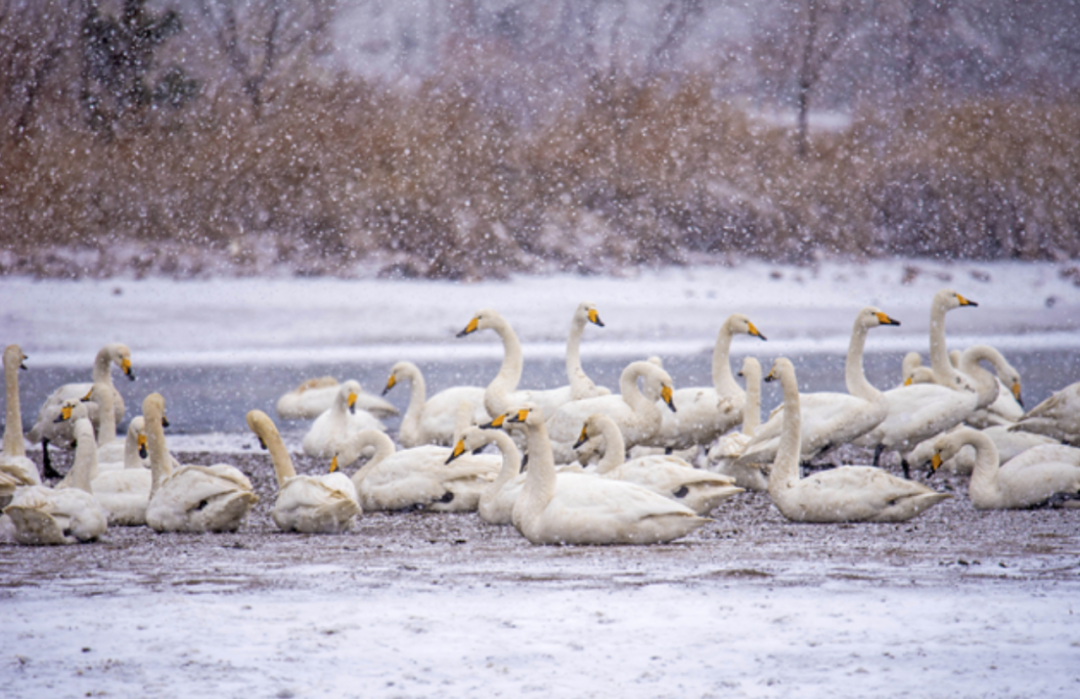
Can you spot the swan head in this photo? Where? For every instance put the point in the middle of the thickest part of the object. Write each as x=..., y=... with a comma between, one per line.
x=751, y=368
x=738, y=323
x=399, y=372
x=472, y=440
x=261, y=424
x=950, y=299
x=949, y=445
x=13, y=356
x=782, y=370
x=871, y=317
x=153, y=408
x=586, y=312
x=348, y=393
x=484, y=318
x=593, y=427
x=528, y=414
x=73, y=410
x=121, y=356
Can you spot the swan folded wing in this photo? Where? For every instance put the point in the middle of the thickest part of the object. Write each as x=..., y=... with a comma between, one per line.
x=860, y=492
x=193, y=486
x=313, y=491
x=18, y=471
x=565, y=425
x=665, y=472
x=44, y=515
x=917, y=413
x=600, y=501
x=129, y=481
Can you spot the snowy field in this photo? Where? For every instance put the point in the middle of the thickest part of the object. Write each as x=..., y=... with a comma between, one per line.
x=957, y=604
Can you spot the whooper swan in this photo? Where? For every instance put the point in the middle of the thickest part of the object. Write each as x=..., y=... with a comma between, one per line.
x=431, y=421
x=581, y=386
x=314, y=397
x=497, y=500
x=124, y=491
x=332, y=428
x=725, y=453
x=15, y=468
x=1058, y=416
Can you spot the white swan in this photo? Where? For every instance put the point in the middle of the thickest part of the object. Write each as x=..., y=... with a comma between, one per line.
x=830, y=419
x=46, y=430
x=332, y=428
x=1006, y=408
x=844, y=494
x=637, y=416
x=125, y=492
x=669, y=476
x=415, y=478
x=68, y=513
x=15, y=468
x=571, y=508
x=110, y=451
x=1008, y=444
x=1058, y=416
x=323, y=504
x=705, y=413
x=191, y=498
x=945, y=373
x=1031, y=478
x=502, y=393
x=581, y=386
x=431, y=421
x=314, y=397
x=725, y=453
x=497, y=501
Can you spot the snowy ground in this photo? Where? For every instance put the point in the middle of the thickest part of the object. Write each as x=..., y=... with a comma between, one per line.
x=957, y=603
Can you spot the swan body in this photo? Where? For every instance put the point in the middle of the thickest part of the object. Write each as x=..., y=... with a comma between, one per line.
x=637, y=416
x=502, y=393
x=1030, y=478
x=705, y=413
x=669, y=476
x=830, y=419
x=844, y=494
x=581, y=386
x=497, y=501
x=15, y=468
x=123, y=488
x=416, y=478
x=323, y=504
x=572, y=508
x=1058, y=416
x=724, y=455
x=334, y=426
x=1008, y=444
x=68, y=513
x=314, y=397
x=192, y=498
x=432, y=421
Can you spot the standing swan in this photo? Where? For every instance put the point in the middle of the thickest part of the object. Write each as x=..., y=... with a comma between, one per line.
x=581, y=386
x=323, y=504
x=15, y=468
x=572, y=508
x=333, y=427
x=192, y=498
x=431, y=421
x=844, y=494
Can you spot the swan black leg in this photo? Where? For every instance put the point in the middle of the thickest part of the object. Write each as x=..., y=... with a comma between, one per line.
x=877, y=454
x=48, y=470
x=907, y=469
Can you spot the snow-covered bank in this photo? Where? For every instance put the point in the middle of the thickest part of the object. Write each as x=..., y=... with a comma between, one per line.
x=669, y=312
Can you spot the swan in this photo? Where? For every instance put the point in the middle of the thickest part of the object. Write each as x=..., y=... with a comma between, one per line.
x=945, y=373
x=336, y=424
x=502, y=392
x=669, y=476
x=124, y=489
x=1058, y=416
x=46, y=429
x=572, y=508
x=314, y=397
x=191, y=498
x=1009, y=445
x=844, y=494
x=830, y=419
x=725, y=453
x=415, y=478
x=1006, y=408
x=705, y=413
x=431, y=421
x=323, y=504
x=581, y=386
x=497, y=501
x=1031, y=478
x=637, y=416
x=68, y=513
x=110, y=451
x=15, y=468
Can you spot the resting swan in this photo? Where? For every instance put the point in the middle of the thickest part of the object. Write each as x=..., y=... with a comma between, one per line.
x=669, y=476
x=497, y=500
x=1058, y=416
x=844, y=494
x=1031, y=478
x=431, y=421
x=1009, y=445
x=705, y=413
x=68, y=513
x=725, y=453
x=571, y=508
x=637, y=416
x=314, y=397
x=191, y=498
x=323, y=504
x=124, y=489
x=415, y=478
x=581, y=386
x=15, y=468
x=46, y=429
x=502, y=392
x=332, y=428
x=830, y=419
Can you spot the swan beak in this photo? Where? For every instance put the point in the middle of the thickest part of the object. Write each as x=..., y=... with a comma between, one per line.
x=965, y=302
x=390, y=383
x=886, y=320
x=583, y=438
x=125, y=366
x=333, y=464
x=65, y=414
x=142, y=447
x=1016, y=393
x=459, y=449
x=935, y=462
x=262, y=444
x=352, y=403
x=909, y=380
x=86, y=398
x=495, y=424
x=521, y=416
x=754, y=331
x=667, y=394
x=594, y=318
x=470, y=328
x=21, y=364
x=164, y=421
x=771, y=376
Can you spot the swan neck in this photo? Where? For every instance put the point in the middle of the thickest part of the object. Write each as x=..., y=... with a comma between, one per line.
x=539, y=485
x=279, y=455
x=614, y=448
x=511, y=459
x=131, y=448
x=646, y=412
x=785, y=468
x=102, y=369
x=984, y=474
x=506, y=381
x=574, y=373
x=160, y=469
x=854, y=373
x=384, y=447
x=986, y=386
x=103, y=396
x=13, y=435
x=723, y=380
x=85, y=469
x=752, y=406
x=944, y=372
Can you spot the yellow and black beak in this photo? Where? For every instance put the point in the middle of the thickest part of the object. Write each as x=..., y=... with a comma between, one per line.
x=668, y=395
x=521, y=416
x=459, y=449
x=65, y=414
x=771, y=376
x=754, y=331
x=333, y=464
x=164, y=421
x=1016, y=393
x=583, y=438
x=142, y=446
x=495, y=424
x=965, y=302
x=886, y=320
x=935, y=462
x=87, y=398
x=594, y=317
x=909, y=380
x=390, y=383
x=470, y=328
x=262, y=444
x=352, y=403
x=21, y=362
x=125, y=366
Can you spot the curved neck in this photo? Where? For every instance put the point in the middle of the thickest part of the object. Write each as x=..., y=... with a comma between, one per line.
x=854, y=374
x=103, y=396
x=159, y=452
x=984, y=475
x=509, y=374
x=723, y=380
x=785, y=468
x=102, y=370
x=417, y=397
x=384, y=447
x=540, y=479
x=13, y=435
x=511, y=458
x=752, y=407
x=279, y=455
x=85, y=469
x=646, y=412
x=614, y=447
x=986, y=386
